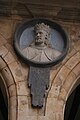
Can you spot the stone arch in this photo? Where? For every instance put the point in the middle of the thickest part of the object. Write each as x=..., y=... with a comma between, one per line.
x=71, y=81
x=63, y=85
x=6, y=58
x=9, y=83
x=14, y=75
x=73, y=86
x=75, y=89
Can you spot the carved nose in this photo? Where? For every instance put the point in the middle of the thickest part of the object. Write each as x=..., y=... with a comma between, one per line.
x=38, y=34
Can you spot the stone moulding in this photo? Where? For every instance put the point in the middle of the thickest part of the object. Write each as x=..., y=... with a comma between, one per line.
x=7, y=79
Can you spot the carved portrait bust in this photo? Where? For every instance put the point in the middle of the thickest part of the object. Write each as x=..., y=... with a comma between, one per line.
x=41, y=50
x=40, y=43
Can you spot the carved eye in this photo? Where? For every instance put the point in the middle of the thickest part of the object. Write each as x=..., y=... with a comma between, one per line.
x=45, y=37
x=40, y=32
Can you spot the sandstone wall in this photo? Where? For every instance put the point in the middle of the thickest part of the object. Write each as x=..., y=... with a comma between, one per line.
x=63, y=78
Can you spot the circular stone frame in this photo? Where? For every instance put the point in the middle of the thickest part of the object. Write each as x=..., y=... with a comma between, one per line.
x=26, y=24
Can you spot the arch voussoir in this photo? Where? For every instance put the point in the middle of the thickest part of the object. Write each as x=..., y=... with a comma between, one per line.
x=9, y=82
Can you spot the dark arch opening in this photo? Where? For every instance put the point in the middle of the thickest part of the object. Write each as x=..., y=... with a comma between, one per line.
x=3, y=101
x=72, y=109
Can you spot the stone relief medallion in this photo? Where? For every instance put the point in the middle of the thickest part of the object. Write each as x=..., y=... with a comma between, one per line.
x=40, y=43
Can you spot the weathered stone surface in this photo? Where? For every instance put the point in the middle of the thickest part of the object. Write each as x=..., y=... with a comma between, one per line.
x=21, y=117
x=54, y=92
x=2, y=64
x=3, y=51
x=6, y=28
x=11, y=50
x=47, y=117
x=76, y=70
x=22, y=88
x=3, y=41
x=12, y=108
x=50, y=106
x=69, y=55
x=7, y=76
x=24, y=107
x=62, y=74
x=73, y=61
x=16, y=71
x=62, y=78
x=53, y=74
x=68, y=83
x=59, y=116
x=24, y=69
x=58, y=107
x=77, y=46
x=62, y=94
x=41, y=112
x=12, y=90
x=58, y=81
x=9, y=58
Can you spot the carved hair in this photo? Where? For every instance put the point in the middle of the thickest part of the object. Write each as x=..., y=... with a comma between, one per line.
x=42, y=26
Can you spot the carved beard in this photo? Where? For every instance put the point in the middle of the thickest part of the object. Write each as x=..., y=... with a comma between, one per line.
x=41, y=42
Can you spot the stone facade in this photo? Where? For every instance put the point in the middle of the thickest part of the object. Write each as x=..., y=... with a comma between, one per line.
x=63, y=77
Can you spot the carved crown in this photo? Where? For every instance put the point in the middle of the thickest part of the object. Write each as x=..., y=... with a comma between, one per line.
x=42, y=26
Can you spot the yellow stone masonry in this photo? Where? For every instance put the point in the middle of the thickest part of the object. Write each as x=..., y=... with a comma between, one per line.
x=15, y=74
